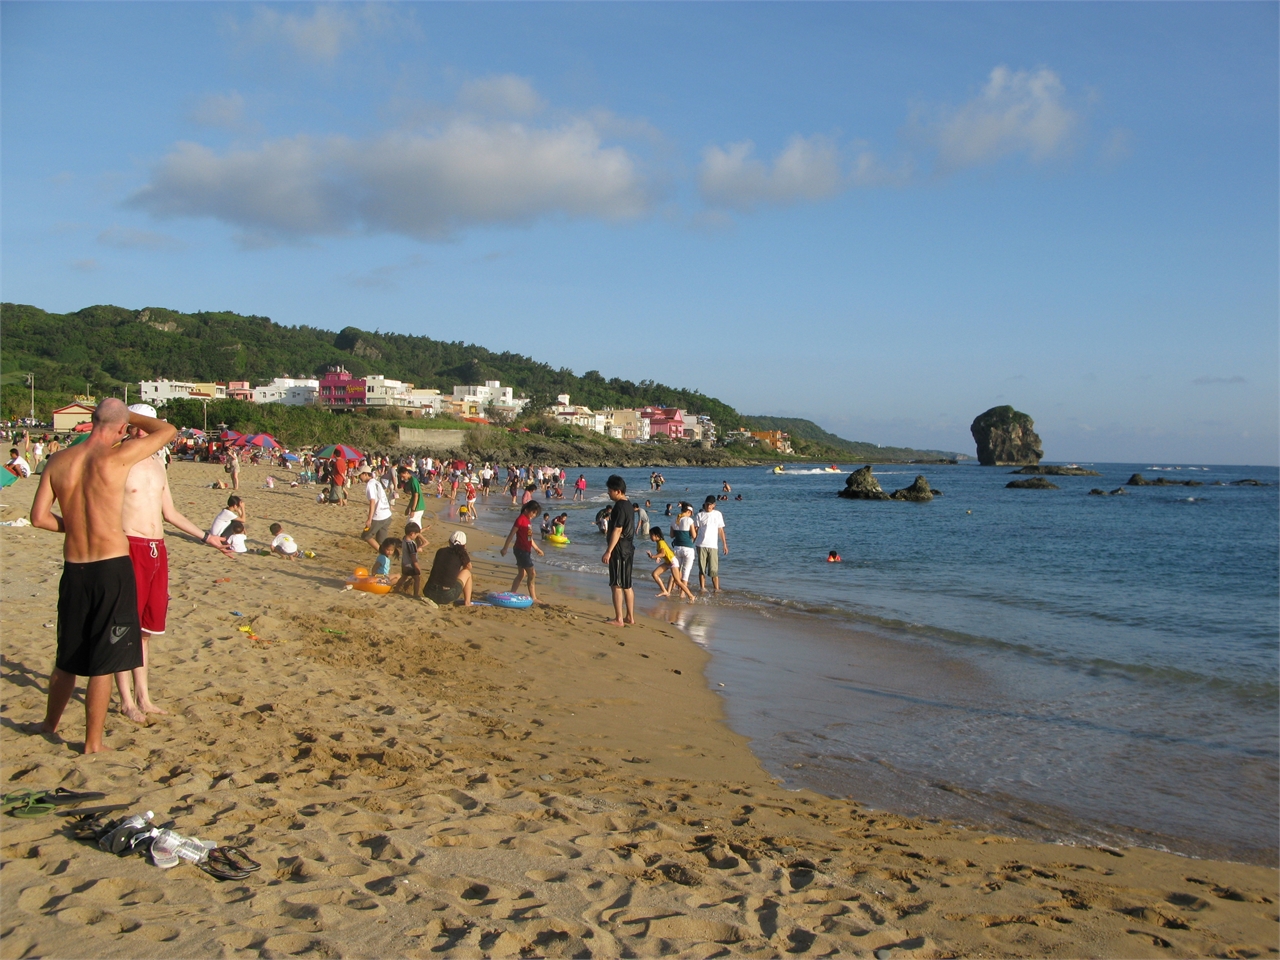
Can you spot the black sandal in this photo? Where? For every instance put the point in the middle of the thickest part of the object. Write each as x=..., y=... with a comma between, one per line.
x=234, y=858
x=220, y=872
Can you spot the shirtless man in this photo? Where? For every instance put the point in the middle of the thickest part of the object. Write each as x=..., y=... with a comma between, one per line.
x=147, y=504
x=98, y=630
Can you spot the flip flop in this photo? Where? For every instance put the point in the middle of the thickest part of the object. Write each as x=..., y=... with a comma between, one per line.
x=221, y=873
x=233, y=858
x=83, y=812
x=62, y=796
x=32, y=810
x=20, y=798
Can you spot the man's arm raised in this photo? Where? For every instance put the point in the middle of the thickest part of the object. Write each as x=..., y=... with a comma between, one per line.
x=159, y=434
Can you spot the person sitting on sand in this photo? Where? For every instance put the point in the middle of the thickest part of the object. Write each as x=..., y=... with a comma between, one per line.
x=283, y=544
x=450, y=579
x=16, y=465
x=234, y=510
x=382, y=566
x=235, y=537
x=410, y=571
x=666, y=561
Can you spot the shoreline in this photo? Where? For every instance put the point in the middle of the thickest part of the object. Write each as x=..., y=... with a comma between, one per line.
x=497, y=781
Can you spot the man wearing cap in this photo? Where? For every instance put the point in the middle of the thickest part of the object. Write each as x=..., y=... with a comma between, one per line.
x=450, y=579
x=147, y=505
x=378, y=521
x=710, y=522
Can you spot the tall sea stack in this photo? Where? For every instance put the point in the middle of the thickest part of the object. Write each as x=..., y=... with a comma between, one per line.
x=1005, y=438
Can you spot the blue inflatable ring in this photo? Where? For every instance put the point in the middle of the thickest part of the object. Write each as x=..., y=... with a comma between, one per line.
x=518, y=600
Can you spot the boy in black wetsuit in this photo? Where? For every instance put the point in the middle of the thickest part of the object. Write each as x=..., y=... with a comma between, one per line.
x=620, y=553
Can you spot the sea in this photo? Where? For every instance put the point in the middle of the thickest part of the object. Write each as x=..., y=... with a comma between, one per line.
x=1100, y=670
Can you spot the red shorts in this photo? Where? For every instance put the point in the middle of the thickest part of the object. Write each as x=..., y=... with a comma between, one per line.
x=151, y=571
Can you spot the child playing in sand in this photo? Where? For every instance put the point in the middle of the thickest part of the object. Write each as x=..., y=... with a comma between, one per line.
x=666, y=561
x=283, y=544
x=522, y=531
x=410, y=572
x=382, y=566
x=235, y=537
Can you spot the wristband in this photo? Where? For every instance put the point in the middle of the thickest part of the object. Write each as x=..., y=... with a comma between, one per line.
x=205, y=538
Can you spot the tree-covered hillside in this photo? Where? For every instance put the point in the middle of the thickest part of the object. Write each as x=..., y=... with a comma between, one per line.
x=100, y=350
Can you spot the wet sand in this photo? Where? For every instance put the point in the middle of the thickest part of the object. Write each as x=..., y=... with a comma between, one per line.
x=455, y=782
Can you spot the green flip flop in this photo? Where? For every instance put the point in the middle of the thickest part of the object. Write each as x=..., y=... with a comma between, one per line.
x=32, y=809
x=20, y=798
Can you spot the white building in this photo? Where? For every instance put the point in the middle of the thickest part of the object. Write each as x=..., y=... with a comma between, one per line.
x=159, y=392
x=578, y=416
x=290, y=391
x=429, y=402
x=625, y=425
x=481, y=401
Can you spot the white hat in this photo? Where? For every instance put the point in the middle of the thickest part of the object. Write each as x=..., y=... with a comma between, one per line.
x=146, y=409
x=457, y=539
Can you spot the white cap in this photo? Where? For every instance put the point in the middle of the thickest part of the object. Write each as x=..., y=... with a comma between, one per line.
x=146, y=409
x=457, y=539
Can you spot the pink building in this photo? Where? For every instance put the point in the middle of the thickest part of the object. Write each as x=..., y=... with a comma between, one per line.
x=339, y=389
x=240, y=390
x=665, y=420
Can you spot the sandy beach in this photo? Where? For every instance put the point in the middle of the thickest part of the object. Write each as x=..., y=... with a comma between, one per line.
x=467, y=782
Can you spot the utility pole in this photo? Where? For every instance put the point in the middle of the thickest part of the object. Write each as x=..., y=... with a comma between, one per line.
x=126, y=394
x=31, y=381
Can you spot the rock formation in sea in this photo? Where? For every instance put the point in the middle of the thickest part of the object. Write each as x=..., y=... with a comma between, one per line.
x=1006, y=438
x=1117, y=492
x=1058, y=471
x=1032, y=483
x=861, y=485
x=1138, y=480
x=918, y=492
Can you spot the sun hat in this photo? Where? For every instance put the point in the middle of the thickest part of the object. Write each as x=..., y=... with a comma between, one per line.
x=457, y=539
x=146, y=409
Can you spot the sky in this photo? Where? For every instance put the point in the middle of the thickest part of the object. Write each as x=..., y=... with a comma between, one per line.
x=885, y=217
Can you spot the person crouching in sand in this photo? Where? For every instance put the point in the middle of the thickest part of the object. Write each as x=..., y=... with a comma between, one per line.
x=99, y=633
x=450, y=579
x=282, y=543
x=666, y=561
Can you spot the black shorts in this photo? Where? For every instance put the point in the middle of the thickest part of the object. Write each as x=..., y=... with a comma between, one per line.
x=442, y=595
x=524, y=559
x=620, y=564
x=98, y=628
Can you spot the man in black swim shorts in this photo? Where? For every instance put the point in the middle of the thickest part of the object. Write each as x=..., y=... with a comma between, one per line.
x=99, y=631
x=620, y=553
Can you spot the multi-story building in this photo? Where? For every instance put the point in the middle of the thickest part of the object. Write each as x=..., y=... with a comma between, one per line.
x=625, y=425
x=239, y=390
x=665, y=421
x=775, y=439
x=577, y=415
x=159, y=392
x=290, y=391
x=339, y=390
x=492, y=399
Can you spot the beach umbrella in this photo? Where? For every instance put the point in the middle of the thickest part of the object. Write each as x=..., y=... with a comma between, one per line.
x=191, y=432
x=263, y=440
x=340, y=449
x=7, y=478
x=292, y=457
x=226, y=435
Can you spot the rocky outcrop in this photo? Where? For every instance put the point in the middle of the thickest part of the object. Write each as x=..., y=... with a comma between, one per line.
x=1032, y=483
x=1117, y=492
x=1138, y=480
x=861, y=485
x=1058, y=471
x=918, y=492
x=1006, y=438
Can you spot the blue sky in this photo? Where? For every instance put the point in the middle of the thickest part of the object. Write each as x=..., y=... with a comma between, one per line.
x=885, y=217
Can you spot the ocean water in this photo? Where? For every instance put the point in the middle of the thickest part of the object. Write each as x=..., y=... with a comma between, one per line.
x=1047, y=663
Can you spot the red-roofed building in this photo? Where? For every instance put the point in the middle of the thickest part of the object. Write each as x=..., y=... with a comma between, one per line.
x=665, y=420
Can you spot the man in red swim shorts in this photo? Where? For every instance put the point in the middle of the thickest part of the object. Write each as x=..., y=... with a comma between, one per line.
x=147, y=504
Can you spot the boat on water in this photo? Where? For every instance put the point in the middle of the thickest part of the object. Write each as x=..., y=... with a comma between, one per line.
x=782, y=470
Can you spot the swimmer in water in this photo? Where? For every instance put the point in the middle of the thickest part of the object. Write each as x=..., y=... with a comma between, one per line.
x=833, y=557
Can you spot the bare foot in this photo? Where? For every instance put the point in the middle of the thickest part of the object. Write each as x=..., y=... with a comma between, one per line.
x=661, y=594
x=134, y=714
x=615, y=623
x=149, y=707
x=100, y=748
x=628, y=623
x=43, y=730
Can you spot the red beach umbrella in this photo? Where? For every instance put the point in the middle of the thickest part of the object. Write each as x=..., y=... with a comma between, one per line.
x=340, y=449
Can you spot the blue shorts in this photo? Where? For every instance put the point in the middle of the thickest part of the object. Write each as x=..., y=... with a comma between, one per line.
x=524, y=559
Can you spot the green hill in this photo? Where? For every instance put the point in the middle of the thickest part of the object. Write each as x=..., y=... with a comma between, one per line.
x=101, y=349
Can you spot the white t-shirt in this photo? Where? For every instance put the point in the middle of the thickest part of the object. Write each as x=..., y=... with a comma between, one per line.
x=236, y=540
x=221, y=520
x=21, y=466
x=284, y=542
x=709, y=521
x=378, y=494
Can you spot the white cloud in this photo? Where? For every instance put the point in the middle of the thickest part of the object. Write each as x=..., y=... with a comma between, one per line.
x=1016, y=112
x=427, y=186
x=127, y=238
x=320, y=35
x=808, y=168
x=501, y=96
x=219, y=110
